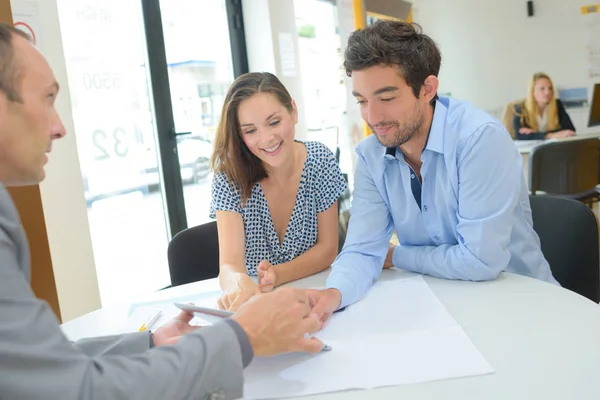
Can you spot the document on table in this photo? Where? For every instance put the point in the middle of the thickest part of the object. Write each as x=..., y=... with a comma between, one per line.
x=527, y=145
x=400, y=333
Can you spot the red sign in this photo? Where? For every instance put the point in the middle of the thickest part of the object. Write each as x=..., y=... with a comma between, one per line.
x=27, y=29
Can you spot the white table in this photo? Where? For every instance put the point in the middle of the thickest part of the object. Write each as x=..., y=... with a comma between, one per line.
x=525, y=146
x=542, y=340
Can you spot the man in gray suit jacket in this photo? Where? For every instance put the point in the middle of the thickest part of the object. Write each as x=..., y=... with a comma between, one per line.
x=177, y=361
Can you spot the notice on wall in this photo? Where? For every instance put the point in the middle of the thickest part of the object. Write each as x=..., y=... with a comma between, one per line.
x=26, y=18
x=287, y=54
x=591, y=23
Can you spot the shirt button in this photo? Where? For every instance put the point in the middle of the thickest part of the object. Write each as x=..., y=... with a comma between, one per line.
x=425, y=207
x=412, y=176
x=436, y=237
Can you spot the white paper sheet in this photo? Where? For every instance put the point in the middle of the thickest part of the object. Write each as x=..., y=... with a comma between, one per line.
x=399, y=334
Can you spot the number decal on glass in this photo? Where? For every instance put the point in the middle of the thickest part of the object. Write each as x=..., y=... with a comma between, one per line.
x=99, y=81
x=120, y=137
x=102, y=143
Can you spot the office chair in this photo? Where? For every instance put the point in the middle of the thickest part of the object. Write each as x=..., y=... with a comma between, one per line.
x=508, y=116
x=567, y=168
x=344, y=204
x=568, y=232
x=193, y=254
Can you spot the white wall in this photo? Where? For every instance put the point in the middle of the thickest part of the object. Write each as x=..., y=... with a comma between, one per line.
x=490, y=49
x=264, y=20
x=62, y=192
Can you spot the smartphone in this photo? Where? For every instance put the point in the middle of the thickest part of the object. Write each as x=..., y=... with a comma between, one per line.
x=192, y=309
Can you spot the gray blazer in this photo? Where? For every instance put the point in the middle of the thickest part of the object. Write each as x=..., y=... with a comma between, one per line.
x=38, y=362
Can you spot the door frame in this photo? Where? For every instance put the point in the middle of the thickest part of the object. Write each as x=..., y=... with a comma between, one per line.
x=171, y=181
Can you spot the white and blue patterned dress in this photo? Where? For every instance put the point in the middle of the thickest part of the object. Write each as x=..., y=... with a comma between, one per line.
x=321, y=185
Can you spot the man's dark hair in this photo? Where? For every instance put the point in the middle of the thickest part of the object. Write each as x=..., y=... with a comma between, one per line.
x=10, y=70
x=394, y=43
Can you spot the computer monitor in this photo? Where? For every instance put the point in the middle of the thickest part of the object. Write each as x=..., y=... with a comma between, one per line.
x=595, y=107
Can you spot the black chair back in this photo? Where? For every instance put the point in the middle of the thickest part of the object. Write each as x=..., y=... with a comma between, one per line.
x=193, y=254
x=344, y=203
x=570, y=168
x=568, y=231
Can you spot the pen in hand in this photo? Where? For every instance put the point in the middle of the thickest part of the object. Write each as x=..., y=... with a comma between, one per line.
x=151, y=321
x=324, y=348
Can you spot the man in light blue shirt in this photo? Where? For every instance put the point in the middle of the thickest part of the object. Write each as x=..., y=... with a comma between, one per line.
x=443, y=174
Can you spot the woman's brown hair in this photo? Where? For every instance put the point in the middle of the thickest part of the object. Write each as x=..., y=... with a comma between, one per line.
x=231, y=156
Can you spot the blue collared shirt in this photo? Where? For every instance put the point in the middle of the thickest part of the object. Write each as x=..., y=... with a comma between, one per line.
x=474, y=221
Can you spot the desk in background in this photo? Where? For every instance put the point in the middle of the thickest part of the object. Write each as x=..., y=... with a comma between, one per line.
x=542, y=340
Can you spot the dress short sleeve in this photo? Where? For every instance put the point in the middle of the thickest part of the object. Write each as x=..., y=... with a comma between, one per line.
x=225, y=196
x=330, y=183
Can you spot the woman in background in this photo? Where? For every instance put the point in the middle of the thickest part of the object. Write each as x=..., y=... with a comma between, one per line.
x=274, y=198
x=542, y=115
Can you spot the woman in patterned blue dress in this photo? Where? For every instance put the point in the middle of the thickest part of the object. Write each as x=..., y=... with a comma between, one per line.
x=274, y=198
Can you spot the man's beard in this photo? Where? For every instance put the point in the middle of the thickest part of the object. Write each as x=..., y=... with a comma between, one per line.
x=404, y=131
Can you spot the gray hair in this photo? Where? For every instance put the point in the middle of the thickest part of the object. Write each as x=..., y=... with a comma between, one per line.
x=10, y=71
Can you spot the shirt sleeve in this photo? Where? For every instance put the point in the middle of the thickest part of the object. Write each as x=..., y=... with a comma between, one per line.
x=330, y=183
x=563, y=117
x=246, y=347
x=125, y=344
x=517, y=123
x=37, y=361
x=360, y=263
x=225, y=196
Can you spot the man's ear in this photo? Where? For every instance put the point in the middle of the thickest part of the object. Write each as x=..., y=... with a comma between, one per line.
x=430, y=88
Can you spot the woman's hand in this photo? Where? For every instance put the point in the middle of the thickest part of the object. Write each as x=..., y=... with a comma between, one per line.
x=566, y=133
x=560, y=134
x=266, y=276
x=525, y=131
x=242, y=289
